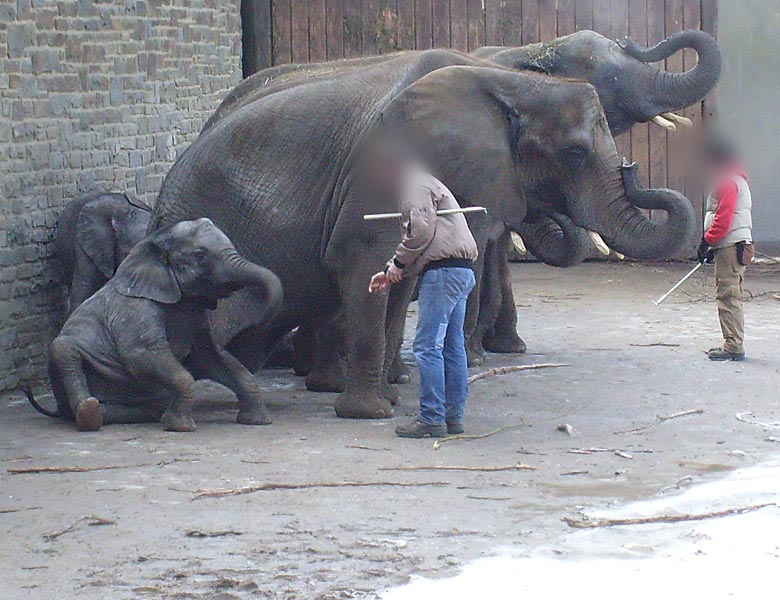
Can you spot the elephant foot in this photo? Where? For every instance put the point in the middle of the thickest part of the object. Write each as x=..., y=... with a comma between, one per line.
x=257, y=415
x=399, y=372
x=350, y=405
x=302, y=367
x=504, y=344
x=172, y=421
x=89, y=415
x=390, y=393
x=330, y=380
x=475, y=358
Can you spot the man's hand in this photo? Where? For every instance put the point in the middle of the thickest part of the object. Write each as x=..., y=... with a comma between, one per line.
x=379, y=283
x=394, y=274
x=704, y=253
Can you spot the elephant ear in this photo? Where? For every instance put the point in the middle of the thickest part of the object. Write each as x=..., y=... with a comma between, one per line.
x=145, y=273
x=467, y=122
x=95, y=236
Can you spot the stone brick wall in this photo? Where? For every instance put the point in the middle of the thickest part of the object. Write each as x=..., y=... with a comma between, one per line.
x=92, y=93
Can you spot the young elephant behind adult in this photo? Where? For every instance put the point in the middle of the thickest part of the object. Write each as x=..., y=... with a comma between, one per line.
x=95, y=233
x=131, y=353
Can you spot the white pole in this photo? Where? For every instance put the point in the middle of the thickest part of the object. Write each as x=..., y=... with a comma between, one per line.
x=678, y=284
x=446, y=211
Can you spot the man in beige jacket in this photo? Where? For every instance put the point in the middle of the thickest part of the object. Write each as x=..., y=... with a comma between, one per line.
x=440, y=249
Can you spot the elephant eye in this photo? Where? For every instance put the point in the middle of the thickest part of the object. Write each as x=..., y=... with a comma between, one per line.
x=574, y=156
x=199, y=254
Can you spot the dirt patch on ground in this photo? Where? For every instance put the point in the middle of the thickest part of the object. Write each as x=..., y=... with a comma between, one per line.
x=630, y=362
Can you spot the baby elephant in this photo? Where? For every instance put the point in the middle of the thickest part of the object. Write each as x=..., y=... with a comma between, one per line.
x=94, y=234
x=131, y=353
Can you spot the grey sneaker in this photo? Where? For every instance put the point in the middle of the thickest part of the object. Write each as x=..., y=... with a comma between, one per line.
x=454, y=428
x=719, y=354
x=416, y=429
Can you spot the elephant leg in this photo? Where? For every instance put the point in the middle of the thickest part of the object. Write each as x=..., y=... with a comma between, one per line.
x=502, y=337
x=474, y=350
x=364, y=320
x=218, y=365
x=304, y=348
x=397, y=306
x=69, y=380
x=327, y=374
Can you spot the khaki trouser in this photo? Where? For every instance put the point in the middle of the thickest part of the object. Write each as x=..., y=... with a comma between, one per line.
x=729, y=275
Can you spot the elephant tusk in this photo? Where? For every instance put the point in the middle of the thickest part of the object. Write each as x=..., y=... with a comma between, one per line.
x=680, y=120
x=599, y=242
x=518, y=243
x=661, y=122
x=620, y=256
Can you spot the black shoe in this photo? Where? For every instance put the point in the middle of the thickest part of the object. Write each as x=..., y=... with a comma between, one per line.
x=454, y=428
x=719, y=354
x=416, y=429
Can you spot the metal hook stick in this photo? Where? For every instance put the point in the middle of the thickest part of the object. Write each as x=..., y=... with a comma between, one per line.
x=678, y=284
x=446, y=211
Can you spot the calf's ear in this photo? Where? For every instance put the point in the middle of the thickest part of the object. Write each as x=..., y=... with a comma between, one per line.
x=95, y=236
x=145, y=273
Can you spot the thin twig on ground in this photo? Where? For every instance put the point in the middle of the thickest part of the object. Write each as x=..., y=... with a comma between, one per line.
x=43, y=470
x=518, y=467
x=437, y=444
x=92, y=520
x=8, y=511
x=589, y=524
x=268, y=487
x=656, y=344
x=496, y=498
x=197, y=533
x=570, y=473
x=628, y=454
x=661, y=419
x=504, y=370
x=744, y=417
x=356, y=447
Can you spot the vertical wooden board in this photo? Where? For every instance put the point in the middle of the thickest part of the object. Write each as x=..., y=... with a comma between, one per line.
x=459, y=35
x=387, y=18
x=566, y=17
x=300, y=31
x=512, y=22
x=405, y=24
x=441, y=23
x=423, y=17
x=602, y=20
x=334, y=15
x=548, y=20
x=318, y=49
x=655, y=34
x=353, y=29
x=370, y=23
x=709, y=23
x=583, y=14
x=529, y=17
x=476, y=24
x=693, y=180
x=674, y=22
x=282, y=34
x=619, y=30
x=256, y=35
x=640, y=136
x=494, y=17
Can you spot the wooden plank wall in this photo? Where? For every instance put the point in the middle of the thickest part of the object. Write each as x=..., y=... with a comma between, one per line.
x=316, y=30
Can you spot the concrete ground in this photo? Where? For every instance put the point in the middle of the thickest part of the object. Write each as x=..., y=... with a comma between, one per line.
x=630, y=363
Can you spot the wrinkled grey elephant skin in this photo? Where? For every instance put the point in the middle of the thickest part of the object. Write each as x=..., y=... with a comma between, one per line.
x=94, y=234
x=284, y=167
x=131, y=352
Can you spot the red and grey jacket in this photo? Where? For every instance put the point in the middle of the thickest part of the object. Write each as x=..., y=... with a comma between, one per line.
x=728, y=220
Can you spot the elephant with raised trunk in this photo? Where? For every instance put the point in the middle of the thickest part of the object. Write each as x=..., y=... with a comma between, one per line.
x=285, y=167
x=131, y=353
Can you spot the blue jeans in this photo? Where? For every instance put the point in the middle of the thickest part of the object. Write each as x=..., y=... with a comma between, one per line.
x=439, y=346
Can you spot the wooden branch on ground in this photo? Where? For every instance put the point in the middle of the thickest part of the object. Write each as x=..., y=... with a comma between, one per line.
x=744, y=417
x=589, y=524
x=656, y=344
x=661, y=419
x=92, y=520
x=268, y=487
x=437, y=444
x=518, y=467
x=39, y=470
x=8, y=511
x=197, y=533
x=503, y=370
x=627, y=454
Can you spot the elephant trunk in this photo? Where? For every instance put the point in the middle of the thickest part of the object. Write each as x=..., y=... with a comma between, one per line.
x=632, y=233
x=666, y=92
x=555, y=240
x=242, y=273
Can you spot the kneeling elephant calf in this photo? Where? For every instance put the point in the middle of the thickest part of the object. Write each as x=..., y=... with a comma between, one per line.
x=132, y=352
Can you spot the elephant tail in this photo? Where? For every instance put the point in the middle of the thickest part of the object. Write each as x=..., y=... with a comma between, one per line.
x=49, y=413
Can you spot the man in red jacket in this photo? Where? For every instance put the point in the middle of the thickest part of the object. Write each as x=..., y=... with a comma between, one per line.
x=728, y=241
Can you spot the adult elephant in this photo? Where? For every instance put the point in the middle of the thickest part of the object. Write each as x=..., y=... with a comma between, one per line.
x=284, y=167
